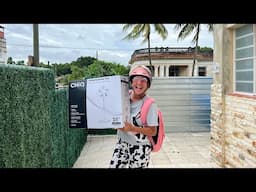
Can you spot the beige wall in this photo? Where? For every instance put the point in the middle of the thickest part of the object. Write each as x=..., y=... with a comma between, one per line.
x=233, y=116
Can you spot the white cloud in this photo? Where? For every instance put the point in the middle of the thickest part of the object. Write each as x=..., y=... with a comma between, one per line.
x=20, y=36
x=61, y=43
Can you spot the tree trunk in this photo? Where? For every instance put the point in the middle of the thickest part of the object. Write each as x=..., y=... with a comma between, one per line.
x=195, y=52
x=149, y=55
x=194, y=58
x=194, y=61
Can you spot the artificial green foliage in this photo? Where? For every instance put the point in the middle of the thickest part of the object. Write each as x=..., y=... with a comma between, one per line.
x=59, y=126
x=67, y=142
x=34, y=129
x=75, y=142
x=27, y=118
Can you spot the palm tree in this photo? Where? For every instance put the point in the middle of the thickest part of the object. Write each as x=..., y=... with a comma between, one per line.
x=187, y=29
x=145, y=31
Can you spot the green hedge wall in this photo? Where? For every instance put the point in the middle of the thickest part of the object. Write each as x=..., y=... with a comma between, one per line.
x=34, y=120
x=67, y=143
x=59, y=127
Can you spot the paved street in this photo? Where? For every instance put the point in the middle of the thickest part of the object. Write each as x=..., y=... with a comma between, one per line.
x=180, y=150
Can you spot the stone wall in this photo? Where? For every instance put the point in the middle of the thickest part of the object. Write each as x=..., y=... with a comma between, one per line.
x=233, y=129
x=217, y=121
x=240, y=125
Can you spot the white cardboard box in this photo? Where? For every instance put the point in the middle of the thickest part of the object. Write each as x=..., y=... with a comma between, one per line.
x=107, y=102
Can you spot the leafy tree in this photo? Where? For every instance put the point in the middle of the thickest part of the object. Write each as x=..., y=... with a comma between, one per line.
x=102, y=68
x=41, y=64
x=187, y=29
x=120, y=69
x=20, y=62
x=97, y=69
x=81, y=62
x=145, y=31
x=77, y=73
x=205, y=49
x=63, y=69
x=10, y=60
x=84, y=61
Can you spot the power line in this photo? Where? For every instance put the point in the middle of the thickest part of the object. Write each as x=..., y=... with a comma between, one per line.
x=49, y=46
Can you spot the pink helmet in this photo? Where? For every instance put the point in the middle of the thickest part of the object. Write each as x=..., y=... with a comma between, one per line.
x=141, y=70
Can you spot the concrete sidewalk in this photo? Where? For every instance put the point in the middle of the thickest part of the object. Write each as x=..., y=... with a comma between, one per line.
x=180, y=150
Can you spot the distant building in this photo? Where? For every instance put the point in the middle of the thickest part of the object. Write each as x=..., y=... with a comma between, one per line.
x=30, y=60
x=3, y=50
x=168, y=61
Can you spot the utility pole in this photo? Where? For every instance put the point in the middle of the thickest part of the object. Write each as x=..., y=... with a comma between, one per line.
x=36, y=44
x=97, y=54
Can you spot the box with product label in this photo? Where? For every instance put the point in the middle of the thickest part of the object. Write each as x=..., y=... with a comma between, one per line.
x=107, y=102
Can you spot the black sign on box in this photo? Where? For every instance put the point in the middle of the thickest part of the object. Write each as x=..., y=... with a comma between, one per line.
x=77, y=104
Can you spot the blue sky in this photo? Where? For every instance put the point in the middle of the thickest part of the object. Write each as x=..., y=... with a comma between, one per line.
x=61, y=43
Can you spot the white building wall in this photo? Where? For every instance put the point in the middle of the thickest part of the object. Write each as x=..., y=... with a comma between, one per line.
x=162, y=66
x=3, y=52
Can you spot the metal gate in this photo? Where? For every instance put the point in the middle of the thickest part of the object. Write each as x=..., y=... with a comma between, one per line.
x=184, y=102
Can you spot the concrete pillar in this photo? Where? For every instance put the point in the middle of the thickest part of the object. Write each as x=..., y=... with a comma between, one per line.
x=161, y=70
x=167, y=71
x=196, y=69
x=190, y=70
x=156, y=70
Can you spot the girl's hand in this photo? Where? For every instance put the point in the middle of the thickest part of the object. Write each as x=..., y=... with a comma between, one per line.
x=127, y=127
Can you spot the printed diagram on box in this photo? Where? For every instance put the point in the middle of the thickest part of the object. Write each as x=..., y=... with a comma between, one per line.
x=100, y=100
x=103, y=92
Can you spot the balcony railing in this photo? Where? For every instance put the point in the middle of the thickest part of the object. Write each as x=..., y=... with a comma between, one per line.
x=170, y=50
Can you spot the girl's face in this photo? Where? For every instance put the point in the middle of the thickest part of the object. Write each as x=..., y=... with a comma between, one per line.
x=139, y=85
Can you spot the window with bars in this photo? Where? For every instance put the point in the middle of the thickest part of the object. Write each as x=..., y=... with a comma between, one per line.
x=245, y=59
